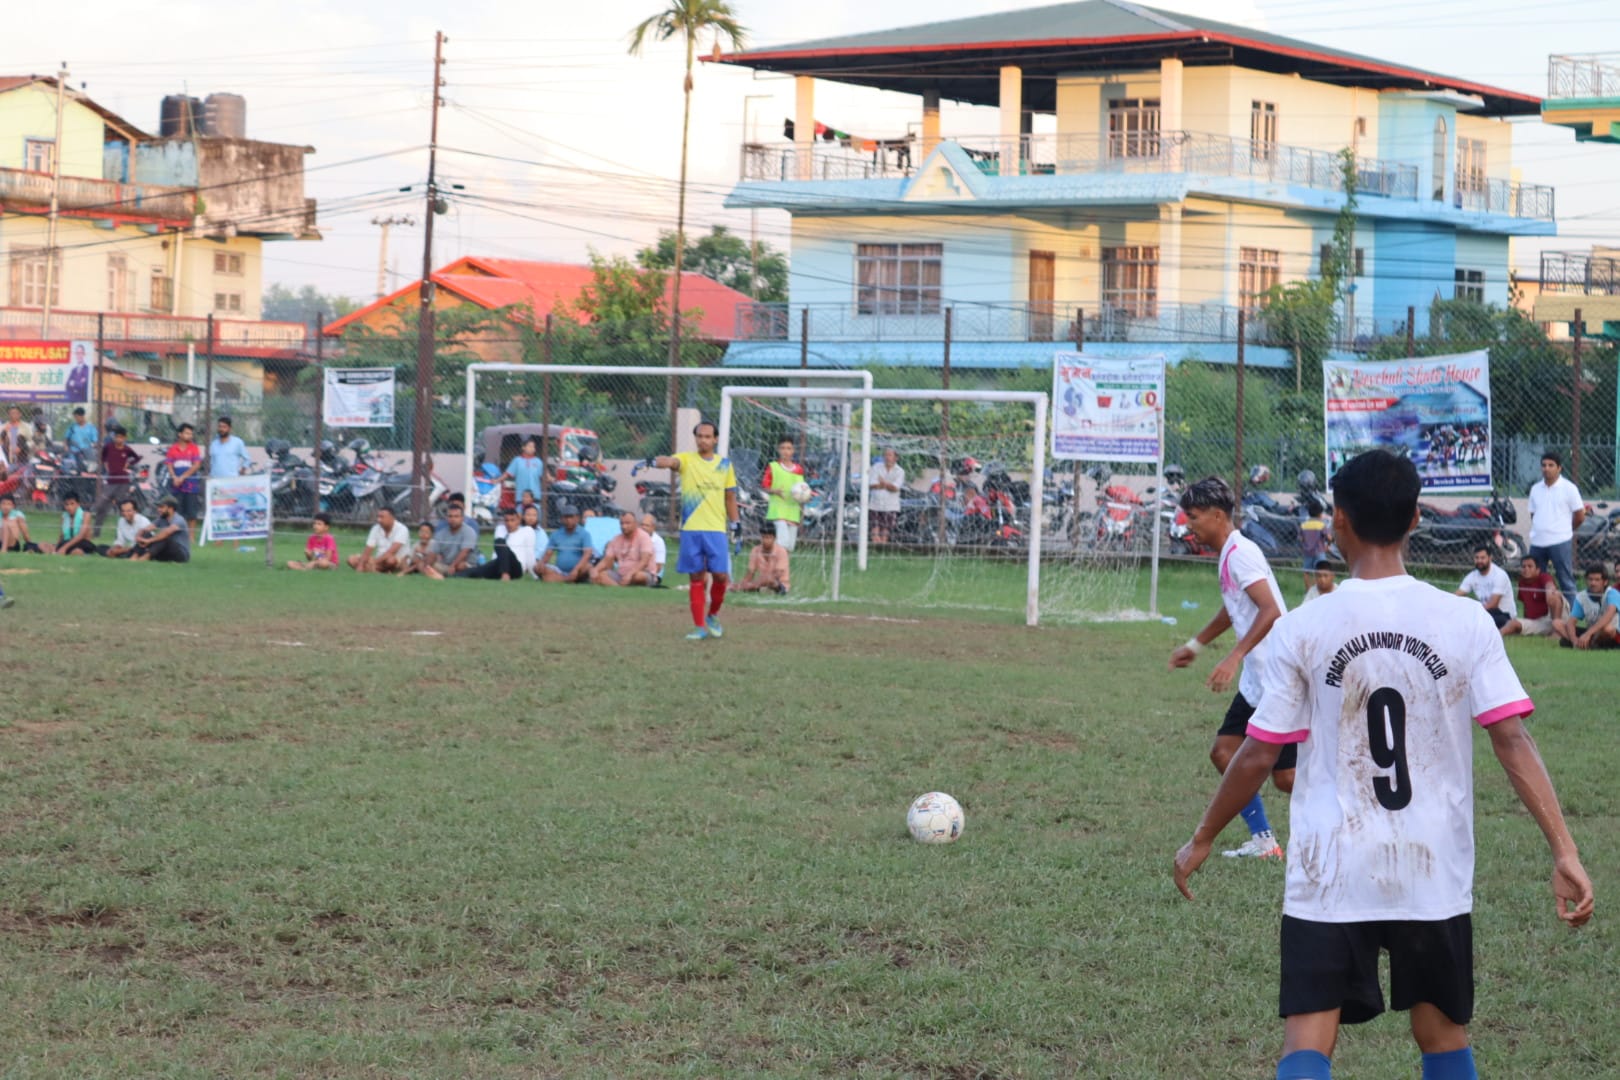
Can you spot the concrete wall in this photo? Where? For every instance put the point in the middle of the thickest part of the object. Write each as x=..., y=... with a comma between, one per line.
x=1477, y=251
x=29, y=112
x=200, y=282
x=256, y=186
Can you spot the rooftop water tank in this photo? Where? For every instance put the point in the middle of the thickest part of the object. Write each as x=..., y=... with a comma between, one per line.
x=225, y=116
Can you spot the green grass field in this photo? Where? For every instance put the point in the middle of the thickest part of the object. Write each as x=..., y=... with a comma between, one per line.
x=264, y=824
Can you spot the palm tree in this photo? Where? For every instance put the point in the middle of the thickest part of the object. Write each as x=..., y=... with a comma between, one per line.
x=688, y=19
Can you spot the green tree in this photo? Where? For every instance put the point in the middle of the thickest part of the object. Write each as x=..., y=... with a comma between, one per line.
x=687, y=19
x=725, y=257
x=307, y=305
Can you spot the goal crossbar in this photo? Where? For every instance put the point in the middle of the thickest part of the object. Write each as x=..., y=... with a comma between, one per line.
x=474, y=370
x=866, y=395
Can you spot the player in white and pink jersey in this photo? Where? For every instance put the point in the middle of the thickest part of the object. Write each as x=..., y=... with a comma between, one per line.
x=1379, y=684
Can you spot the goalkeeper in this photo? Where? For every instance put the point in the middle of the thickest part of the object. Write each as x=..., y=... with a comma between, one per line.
x=708, y=513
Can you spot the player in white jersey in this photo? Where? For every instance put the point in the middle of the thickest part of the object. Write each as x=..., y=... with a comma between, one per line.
x=1250, y=604
x=1380, y=684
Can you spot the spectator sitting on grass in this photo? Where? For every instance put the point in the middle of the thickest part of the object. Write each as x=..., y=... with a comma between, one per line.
x=131, y=523
x=569, y=551
x=514, y=553
x=454, y=500
x=14, y=527
x=320, y=550
x=386, y=546
x=75, y=529
x=1322, y=580
x=649, y=525
x=168, y=539
x=537, y=556
x=421, y=558
x=767, y=567
x=1540, y=602
x=1490, y=585
x=1592, y=621
x=628, y=557
x=455, y=541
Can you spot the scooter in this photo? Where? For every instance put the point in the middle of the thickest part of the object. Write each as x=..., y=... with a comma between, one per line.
x=1450, y=536
x=1121, y=513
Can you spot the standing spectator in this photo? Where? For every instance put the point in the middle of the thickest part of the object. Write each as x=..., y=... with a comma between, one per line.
x=1322, y=581
x=1556, y=511
x=767, y=567
x=386, y=546
x=1540, y=602
x=131, y=524
x=40, y=437
x=82, y=435
x=455, y=544
x=628, y=557
x=883, y=506
x=118, y=462
x=525, y=471
x=649, y=526
x=185, y=470
x=1592, y=621
x=15, y=434
x=1490, y=585
x=227, y=454
x=167, y=540
x=14, y=527
x=782, y=514
x=320, y=550
x=1315, y=532
x=569, y=552
x=75, y=538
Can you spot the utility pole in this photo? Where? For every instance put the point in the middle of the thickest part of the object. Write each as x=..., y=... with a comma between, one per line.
x=421, y=446
x=382, y=250
x=56, y=183
x=753, y=215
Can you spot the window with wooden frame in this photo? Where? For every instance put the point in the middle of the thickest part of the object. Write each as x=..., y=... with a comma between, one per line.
x=898, y=279
x=1131, y=280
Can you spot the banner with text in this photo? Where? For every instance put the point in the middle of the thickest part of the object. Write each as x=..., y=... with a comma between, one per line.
x=46, y=370
x=238, y=508
x=359, y=397
x=1107, y=408
x=1435, y=411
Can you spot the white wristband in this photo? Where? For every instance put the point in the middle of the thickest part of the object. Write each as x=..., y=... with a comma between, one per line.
x=1194, y=646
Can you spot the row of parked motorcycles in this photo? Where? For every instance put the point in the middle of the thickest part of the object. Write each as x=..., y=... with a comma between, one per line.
x=351, y=488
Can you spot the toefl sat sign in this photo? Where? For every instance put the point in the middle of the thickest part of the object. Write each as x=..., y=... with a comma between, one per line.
x=1107, y=408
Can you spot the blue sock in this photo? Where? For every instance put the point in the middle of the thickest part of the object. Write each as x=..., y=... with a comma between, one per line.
x=1452, y=1065
x=1307, y=1065
x=1254, y=816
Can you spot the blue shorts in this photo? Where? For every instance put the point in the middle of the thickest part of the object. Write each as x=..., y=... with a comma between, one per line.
x=704, y=551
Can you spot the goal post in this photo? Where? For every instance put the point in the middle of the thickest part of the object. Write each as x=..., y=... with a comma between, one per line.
x=865, y=397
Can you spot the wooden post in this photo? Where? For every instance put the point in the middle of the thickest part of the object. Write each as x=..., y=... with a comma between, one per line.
x=1411, y=331
x=545, y=417
x=208, y=384
x=1576, y=334
x=674, y=411
x=1079, y=466
x=1237, y=454
x=945, y=425
x=100, y=405
x=320, y=404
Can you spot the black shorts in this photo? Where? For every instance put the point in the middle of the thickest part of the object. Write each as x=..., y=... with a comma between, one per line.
x=1335, y=966
x=1237, y=723
x=190, y=507
x=1499, y=617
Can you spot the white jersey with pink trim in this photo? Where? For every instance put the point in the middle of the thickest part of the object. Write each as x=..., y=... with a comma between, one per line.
x=1381, y=683
x=1242, y=564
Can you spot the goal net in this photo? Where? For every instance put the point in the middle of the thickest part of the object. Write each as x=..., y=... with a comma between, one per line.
x=958, y=530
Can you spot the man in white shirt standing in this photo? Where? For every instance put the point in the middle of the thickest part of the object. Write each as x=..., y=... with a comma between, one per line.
x=1490, y=585
x=1381, y=851
x=1556, y=511
x=883, y=505
x=386, y=546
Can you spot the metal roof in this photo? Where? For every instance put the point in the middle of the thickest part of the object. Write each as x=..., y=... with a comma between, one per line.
x=961, y=58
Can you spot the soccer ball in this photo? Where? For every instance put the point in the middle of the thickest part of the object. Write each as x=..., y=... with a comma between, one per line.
x=935, y=818
x=801, y=493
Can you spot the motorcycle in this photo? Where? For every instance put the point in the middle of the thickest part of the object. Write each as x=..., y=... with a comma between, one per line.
x=290, y=480
x=45, y=469
x=1598, y=538
x=1450, y=536
x=333, y=483
x=1121, y=514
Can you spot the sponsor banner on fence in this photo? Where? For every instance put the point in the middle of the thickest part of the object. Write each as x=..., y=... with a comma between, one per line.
x=46, y=370
x=1106, y=409
x=359, y=397
x=1436, y=411
x=238, y=508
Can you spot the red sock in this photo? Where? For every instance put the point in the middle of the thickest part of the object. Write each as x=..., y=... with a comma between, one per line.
x=717, y=593
x=695, y=594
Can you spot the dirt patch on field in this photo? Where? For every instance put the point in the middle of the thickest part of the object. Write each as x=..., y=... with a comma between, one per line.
x=44, y=727
x=1045, y=740
x=34, y=921
x=9, y=573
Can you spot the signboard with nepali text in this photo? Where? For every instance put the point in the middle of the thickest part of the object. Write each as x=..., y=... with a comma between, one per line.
x=1107, y=408
x=237, y=508
x=359, y=397
x=1435, y=411
x=43, y=371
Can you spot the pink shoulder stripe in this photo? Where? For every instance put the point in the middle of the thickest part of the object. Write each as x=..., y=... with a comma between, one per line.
x=1522, y=707
x=1273, y=737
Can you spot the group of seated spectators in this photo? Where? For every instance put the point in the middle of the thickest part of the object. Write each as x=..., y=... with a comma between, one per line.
x=138, y=538
x=1534, y=606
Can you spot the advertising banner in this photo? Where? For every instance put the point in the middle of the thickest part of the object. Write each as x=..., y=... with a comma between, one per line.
x=238, y=508
x=1435, y=411
x=46, y=370
x=1106, y=409
x=359, y=397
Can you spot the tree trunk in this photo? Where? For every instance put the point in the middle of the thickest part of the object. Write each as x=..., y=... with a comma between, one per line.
x=680, y=216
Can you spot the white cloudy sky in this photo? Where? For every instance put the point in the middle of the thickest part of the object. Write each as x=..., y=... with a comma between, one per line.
x=595, y=134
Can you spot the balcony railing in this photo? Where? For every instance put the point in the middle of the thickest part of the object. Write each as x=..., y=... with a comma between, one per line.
x=1055, y=323
x=20, y=322
x=1580, y=272
x=81, y=193
x=1069, y=155
x=1579, y=77
x=1507, y=197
